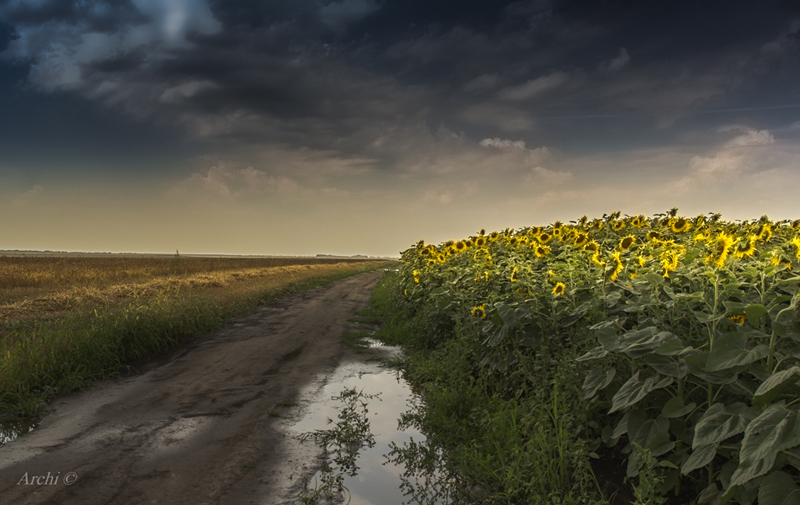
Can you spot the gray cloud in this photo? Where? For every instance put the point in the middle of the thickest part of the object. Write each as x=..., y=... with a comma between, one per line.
x=343, y=77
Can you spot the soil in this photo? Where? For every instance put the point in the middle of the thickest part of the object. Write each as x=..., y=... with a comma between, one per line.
x=204, y=424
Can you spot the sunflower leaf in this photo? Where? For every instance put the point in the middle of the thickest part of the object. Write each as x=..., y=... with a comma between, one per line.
x=597, y=379
x=730, y=351
x=771, y=388
x=699, y=458
x=754, y=312
x=778, y=488
x=776, y=429
x=720, y=422
x=634, y=390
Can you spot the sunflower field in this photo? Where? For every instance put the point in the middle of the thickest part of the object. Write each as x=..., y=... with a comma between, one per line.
x=685, y=331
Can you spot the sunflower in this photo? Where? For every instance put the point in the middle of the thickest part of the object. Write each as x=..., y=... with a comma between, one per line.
x=461, y=246
x=795, y=224
x=479, y=312
x=680, y=225
x=627, y=242
x=636, y=222
x=431, y=262
x=480, y=241
x=581, y=240
x=765, y=232
x=405, y=292
x=745, y=247
x=545, y=237
x=618, y=225
x=669, y=260
x=654, y=236
x=699, y=221
x=737, y=319
x=512, y=241
x=541, y=250
x=796, y=243
x=559, y=289
x=642, y=260
x=719, y=250
x=494, y=236
x=592, y=246
x=486, y=276
x=513, y=277
x=596, y=259
x=617, y=265
x=441, y=257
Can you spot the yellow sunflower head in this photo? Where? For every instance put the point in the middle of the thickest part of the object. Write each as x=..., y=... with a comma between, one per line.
x=627, y=242
x=737, y=319
x=745, y=247
x=541, y=250
x=720, y=248
x=680, y=225
x=617, y=265
x=592, y=246
x=581, y=239
x=479, y=312
x=480, y=241
x=559, y=288
x=654, y=236
x=765, y=232
x=461, y=246
x=796, y=243
x=513, y=277
x=494, y=236
x=618, y=225
x=545, y=237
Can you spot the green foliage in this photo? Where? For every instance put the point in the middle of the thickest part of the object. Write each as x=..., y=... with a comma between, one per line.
x=685, y=345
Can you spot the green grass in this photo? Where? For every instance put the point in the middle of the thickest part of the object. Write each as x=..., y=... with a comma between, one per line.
x=486, y=442
x=46, y=357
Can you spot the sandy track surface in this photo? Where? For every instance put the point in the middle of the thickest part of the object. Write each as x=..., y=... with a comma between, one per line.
x=193, y=426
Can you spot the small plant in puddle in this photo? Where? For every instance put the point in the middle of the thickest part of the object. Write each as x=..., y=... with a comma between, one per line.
x=341, y=444
x=356, y=341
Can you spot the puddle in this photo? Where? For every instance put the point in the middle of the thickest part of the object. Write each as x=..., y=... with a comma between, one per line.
x=12, y=431
x=377, y=481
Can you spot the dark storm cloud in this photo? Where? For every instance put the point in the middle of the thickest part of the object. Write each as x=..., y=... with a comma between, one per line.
x=7, y=35
x=104, y=16
x=342, y=76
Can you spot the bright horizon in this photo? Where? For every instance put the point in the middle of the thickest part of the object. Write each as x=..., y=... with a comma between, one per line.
x=357, y=127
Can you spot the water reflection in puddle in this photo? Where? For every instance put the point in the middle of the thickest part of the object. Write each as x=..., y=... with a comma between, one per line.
x=376, y=483
x=12, y=431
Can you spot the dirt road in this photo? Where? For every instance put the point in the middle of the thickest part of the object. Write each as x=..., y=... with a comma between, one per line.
x=197, y=426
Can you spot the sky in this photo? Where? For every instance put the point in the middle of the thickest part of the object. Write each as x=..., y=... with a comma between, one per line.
x=302, y=127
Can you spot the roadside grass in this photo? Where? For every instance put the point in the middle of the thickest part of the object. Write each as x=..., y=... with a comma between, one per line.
x=490, y=439
x=50, y=355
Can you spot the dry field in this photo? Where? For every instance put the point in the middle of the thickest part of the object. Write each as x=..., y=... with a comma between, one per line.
x=40, y=286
